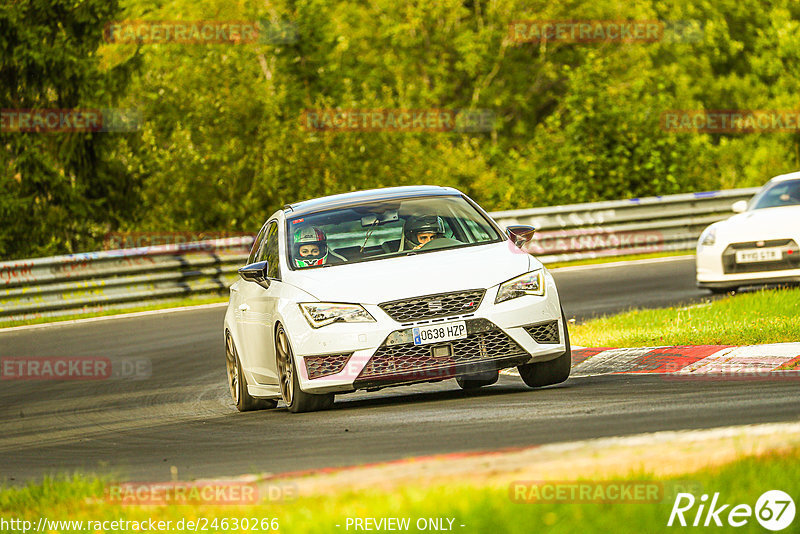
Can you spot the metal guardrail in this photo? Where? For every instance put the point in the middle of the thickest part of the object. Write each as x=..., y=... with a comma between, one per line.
x=620, y=227
x=95, y=281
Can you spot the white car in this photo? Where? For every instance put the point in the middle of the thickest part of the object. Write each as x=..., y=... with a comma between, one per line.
x=759, y=245
x=388, y=287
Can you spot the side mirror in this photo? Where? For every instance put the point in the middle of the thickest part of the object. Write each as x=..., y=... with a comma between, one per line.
x=256, y=272
x=520, y=234
x=740, y=206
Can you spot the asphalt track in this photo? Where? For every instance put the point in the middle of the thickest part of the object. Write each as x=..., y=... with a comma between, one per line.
x=591, y=290
x=182, y=416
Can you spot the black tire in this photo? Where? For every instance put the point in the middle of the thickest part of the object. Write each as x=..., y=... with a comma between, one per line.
x=237, y=383
x=297, y=400
x=550, y=372
x=477, y=380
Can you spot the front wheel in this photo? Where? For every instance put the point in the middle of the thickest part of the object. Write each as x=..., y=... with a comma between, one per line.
x=237, y=384
x=550, y=372
x=295, y=398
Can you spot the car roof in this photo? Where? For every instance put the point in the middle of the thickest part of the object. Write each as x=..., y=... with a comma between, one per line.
x=386, y=193
x=784, y=177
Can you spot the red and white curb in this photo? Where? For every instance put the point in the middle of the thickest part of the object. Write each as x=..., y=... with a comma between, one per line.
x=773, y=360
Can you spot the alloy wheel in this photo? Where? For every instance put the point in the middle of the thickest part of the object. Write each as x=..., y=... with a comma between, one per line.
x=285, y=366
x=232, y=367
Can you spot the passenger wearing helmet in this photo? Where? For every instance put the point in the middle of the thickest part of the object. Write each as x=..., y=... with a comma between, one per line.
x=310, y=247
x=421, y=229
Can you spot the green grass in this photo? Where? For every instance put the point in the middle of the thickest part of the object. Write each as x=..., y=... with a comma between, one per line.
x=766, y=316
x=173, y=303
x=627, y=257
x=479, y=509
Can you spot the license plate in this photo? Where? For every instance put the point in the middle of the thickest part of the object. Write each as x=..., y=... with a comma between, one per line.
x=756, y=255
x=437, y=333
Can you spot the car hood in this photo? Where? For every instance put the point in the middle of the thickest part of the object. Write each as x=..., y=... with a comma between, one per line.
x=767, y=223
x=373, y=282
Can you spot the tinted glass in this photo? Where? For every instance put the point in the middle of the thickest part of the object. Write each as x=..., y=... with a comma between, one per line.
x=259, y=240
x=780, y=194
x=269, y=252
x=384, y=229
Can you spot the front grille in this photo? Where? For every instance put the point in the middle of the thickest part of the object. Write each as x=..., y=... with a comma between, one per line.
x=433, y=306
x=406, y=361
x=543, y=332
x=329, y=364
x=789, y=260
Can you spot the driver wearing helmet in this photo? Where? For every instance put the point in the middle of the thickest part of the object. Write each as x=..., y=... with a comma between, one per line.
x=421, y=229
x=792, y=193
x=310, y=247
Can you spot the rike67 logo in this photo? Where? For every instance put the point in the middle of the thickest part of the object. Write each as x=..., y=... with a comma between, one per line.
x=774, y=510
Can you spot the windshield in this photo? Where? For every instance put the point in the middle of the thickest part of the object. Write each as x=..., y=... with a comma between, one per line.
x=384, y=229
x=780, y=194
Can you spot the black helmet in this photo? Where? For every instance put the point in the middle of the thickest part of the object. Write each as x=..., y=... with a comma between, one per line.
x=421, y=224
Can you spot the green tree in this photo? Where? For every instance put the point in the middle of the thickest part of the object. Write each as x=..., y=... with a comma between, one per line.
x=58, y=191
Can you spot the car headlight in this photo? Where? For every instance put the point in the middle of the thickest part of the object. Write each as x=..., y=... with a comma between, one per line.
x=320, y=314
x=708, y=237
x=531, y=283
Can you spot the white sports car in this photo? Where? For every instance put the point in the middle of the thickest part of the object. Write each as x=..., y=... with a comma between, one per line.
x=759, y=245
x=388, y=287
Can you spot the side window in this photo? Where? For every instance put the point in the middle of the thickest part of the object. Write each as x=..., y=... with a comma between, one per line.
x=257, y=245
x=269, y=252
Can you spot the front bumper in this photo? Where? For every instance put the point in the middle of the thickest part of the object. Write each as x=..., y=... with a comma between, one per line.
x=486, y=348
x=355, y=356
x=717, y=267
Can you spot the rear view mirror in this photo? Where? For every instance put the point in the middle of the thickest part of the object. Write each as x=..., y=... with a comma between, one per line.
x=379, y=218
x=256, y=272
x=520, y=234
x=740, y=206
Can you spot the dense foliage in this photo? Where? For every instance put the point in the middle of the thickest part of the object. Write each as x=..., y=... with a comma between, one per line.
x=221, y=143
x=59, y=190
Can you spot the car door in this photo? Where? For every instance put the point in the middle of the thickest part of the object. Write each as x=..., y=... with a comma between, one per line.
x=235, y=297
x=256, y=313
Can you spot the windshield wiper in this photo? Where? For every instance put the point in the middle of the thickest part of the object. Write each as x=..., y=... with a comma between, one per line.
x=369, y=233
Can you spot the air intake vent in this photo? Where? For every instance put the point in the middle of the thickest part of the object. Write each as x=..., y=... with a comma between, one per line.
x=543, y=333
